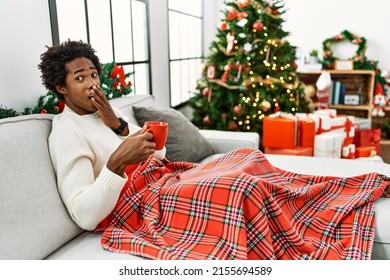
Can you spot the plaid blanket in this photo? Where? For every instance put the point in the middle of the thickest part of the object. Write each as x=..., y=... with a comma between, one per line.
x=239, y=206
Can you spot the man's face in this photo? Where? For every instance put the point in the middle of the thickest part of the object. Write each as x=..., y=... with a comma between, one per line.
x=81, y=76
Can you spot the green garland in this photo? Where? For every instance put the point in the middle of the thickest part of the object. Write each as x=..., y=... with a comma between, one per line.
x=358, y=58
x=112, y=81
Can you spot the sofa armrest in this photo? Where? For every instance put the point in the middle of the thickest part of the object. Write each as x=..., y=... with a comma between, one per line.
x=225, y=141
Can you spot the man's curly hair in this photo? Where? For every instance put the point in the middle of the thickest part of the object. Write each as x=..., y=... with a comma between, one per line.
x=53, y=62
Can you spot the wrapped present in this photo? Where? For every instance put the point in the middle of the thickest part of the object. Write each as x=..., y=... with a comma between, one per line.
x=344, y=125
x=328, y=144
x=323, y=124
x=326, y=112
x=309, y=117
x=297, y=151
x=280, y=130
x=307, y=131
x=365, y=151
x=368, y=137
x=348, y=151
x=362, y=123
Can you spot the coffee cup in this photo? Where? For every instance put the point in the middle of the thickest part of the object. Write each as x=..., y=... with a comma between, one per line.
x=159, y=131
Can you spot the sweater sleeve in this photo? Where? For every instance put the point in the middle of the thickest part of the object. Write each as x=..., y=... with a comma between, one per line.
x=88, y=199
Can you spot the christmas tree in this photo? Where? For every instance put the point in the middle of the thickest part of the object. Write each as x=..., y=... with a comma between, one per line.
x=250, y=72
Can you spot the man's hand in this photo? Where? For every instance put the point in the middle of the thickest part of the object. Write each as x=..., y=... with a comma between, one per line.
x=104, y=107
x=134, y=149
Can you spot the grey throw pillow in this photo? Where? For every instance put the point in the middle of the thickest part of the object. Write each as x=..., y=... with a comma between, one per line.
x=184, y=142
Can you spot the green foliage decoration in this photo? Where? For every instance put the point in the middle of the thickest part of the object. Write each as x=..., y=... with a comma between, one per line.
x=113, y=82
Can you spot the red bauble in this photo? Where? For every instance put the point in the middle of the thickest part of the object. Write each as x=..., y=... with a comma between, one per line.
x=223, y=26
x=232, y=126
x=258, y=25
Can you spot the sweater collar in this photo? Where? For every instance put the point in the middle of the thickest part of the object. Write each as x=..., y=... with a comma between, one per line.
x=94, y=115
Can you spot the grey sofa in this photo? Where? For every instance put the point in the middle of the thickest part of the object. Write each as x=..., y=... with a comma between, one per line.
x=34, y=223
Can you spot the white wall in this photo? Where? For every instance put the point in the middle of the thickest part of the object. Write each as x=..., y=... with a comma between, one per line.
x=311, y=22
x=25, y=32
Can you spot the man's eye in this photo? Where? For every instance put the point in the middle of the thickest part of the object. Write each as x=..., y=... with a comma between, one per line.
x=94, y=75
x=79, y=78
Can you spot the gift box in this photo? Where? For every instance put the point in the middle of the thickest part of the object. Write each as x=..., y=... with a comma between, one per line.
x=322, y=123
x=349, y=151
x=368, y=137
x=307, y=131
x=326, y=112
x=365, y=151
x=328, y=144
x=280, y=131
x=344, y=125
x=297, y=151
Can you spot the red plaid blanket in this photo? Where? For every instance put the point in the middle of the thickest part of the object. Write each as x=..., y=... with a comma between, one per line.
x=241, y=207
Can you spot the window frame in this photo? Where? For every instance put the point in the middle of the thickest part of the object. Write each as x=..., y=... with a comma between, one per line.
x=189, y=58
x=133, y=63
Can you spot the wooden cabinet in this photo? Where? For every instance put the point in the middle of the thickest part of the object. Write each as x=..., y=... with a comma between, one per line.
x=357, y=83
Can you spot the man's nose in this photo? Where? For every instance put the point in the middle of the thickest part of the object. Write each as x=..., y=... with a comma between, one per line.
x=91, y=82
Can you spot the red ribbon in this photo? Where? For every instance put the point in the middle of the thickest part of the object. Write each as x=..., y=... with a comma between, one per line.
x=348, y=126
x=375, y=138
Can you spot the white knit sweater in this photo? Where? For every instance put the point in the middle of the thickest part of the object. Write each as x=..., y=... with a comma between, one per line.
x=80, y=146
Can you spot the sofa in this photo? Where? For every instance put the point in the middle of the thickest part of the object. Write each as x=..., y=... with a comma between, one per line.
x=35, y=224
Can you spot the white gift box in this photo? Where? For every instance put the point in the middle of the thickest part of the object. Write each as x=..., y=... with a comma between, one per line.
x=328, y=144
x=326, y=112
x=348, y=151
x=339, y=125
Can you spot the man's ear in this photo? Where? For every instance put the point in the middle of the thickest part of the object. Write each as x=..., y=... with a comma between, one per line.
x=61, y=89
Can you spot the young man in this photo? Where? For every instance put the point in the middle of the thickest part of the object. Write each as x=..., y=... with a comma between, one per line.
x=91, y=143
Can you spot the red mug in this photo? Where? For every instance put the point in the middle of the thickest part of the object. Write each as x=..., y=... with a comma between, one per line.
x=159, y=131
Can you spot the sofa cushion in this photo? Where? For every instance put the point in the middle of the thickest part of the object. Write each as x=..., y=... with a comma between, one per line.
x=34, y=222
x=184, y=143
x=125, y=104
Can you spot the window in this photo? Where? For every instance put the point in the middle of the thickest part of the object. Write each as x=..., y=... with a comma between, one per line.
x=185, y=48
x=117, y=29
